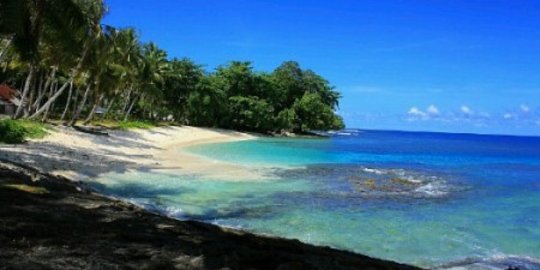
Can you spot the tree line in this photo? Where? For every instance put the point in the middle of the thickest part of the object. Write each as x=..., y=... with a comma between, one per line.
x=68, y=66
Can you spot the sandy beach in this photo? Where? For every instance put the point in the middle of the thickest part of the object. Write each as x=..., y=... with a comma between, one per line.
x=50, y=222
x=79, y=156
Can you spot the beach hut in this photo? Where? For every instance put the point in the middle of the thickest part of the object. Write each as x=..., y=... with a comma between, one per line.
x=8, y=100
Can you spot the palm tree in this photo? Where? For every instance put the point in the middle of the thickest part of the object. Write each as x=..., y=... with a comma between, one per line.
x=127, y=51
x=146, y=67
x=86, y=36
x=24, y=22
x=152, y=70
x=95, y=66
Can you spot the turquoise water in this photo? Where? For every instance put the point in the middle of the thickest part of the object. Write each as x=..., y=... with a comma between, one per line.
x=421, y=198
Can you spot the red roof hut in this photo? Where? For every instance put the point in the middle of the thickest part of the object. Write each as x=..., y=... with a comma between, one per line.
x=7, y=98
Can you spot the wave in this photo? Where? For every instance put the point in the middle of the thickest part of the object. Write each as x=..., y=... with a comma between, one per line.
x=344, y=132
x=375, y=171
x=497, y=262
x=432, y=189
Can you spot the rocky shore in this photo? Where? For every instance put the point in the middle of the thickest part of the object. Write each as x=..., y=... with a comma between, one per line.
x=49, y=222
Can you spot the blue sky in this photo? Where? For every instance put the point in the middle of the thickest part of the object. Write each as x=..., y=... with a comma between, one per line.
x=455, y=66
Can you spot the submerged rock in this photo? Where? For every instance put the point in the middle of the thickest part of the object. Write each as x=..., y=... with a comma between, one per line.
x=374, y=183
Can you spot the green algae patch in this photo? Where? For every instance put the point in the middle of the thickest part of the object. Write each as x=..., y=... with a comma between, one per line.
x=26, y=188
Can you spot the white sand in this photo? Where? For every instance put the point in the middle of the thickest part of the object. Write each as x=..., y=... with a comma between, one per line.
x=78, y=155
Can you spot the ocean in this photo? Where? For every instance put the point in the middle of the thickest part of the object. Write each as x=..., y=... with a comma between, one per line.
x=427, y=199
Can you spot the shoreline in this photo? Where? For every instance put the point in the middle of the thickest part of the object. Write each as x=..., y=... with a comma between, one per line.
x=81, y=156
x=43, y=179
x=54, y=222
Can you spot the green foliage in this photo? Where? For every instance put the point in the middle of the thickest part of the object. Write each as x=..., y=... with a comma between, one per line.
x=34, y=129
x=17, y=131
x=236, y=79
x=53, y=44
x=11, y=132
x=185, y=78
x=206, y=106
x=125, y=125
x=286, y=120
x=235, y=96
x=289, y=79
x=250, y=113
x=313, y=114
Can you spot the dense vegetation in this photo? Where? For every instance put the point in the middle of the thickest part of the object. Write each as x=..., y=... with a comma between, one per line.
x=70, y=67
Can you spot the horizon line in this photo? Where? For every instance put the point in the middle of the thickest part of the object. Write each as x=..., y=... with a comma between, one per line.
x=446, y=132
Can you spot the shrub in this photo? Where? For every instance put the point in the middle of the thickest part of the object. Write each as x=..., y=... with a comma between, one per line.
x=16, y=131
x=12, y=131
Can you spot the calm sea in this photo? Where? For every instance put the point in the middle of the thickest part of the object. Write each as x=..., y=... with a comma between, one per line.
x=428, y=199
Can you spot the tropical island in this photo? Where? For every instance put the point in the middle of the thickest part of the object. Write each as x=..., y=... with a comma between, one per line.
x=85, y=98
x=179, y=135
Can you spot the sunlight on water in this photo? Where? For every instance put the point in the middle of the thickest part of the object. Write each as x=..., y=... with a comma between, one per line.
x=428, y=202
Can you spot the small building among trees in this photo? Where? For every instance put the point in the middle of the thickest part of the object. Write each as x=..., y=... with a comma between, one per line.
x=7, y=100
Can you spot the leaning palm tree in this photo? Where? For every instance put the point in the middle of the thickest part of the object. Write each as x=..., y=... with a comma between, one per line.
x=25, y=22
x=93, y=11
x=95, y=66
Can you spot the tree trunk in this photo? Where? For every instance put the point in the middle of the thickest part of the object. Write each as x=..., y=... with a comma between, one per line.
x=25, y=90
x=93, y=111
x=76, y=114
x=73, y=75
x=43, y=89
x=41, y=94
x=126, y=116
x=67, y=102
x=109, y=107
x=126, y=104
x=4, y=50
x=32, y=95
x=51, y=100
x=54, y=89
x=75, y=102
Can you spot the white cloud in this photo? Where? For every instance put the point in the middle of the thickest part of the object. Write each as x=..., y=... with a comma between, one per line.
x=416, y=114
x=522, y=115
x=414, y=111
x=508, y=116
x=466, y=110
x=433, y=110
